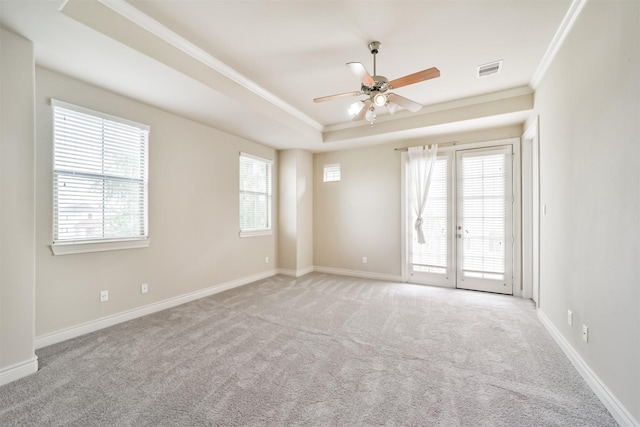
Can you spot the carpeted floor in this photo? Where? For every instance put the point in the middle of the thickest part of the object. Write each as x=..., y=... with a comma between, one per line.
x=320, y=350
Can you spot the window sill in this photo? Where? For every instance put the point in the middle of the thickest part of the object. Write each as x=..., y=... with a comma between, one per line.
x=85, y=247
x=253, y=233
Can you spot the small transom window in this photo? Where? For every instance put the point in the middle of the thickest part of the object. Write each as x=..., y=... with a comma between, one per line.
x=332, y=172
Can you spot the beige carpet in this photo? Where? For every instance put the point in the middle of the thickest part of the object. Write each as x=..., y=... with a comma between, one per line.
x=320, y=350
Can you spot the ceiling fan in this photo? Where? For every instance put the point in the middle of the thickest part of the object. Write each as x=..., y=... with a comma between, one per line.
x=377, y=89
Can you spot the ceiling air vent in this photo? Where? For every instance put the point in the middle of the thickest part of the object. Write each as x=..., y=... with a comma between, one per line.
x=489, y=69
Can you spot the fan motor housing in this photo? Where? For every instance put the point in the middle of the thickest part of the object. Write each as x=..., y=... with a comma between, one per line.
x=381, y=84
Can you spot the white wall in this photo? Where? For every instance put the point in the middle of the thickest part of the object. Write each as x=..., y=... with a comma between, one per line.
x=193, y=216
x=589, y=108
x=17, y=207
x=288, y=218
x=295, y=243
x=304, y=198
x=360, y=216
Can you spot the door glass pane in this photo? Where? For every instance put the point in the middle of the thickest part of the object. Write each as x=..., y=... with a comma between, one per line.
x=431, y=257
x=483, y=216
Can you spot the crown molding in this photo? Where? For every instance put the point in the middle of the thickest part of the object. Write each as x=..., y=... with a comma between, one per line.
x=565, y=28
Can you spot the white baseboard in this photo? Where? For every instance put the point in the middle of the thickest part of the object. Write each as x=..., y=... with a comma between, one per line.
x=357, y=273
x=104, y=322
x=19, y=370
x=295, y=273
x=613, y=405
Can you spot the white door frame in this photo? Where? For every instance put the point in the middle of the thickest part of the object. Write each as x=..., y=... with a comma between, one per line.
x=505, y=285
x=517, y=211
x=531, y=213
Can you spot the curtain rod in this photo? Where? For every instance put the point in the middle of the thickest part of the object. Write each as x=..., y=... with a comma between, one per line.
x=444, y=144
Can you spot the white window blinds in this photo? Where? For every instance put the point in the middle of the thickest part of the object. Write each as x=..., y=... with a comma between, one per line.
x=255, y=195
x=100, y=176
x=484, y=202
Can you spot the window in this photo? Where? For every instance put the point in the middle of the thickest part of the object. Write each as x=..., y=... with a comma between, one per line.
x=255, y=195
x=99, y=179
x=332, y=172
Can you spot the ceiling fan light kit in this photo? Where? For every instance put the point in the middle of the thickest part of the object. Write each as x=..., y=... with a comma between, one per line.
x=379, y=99
x=370, y=116
x=376, y=88
x=355, y=108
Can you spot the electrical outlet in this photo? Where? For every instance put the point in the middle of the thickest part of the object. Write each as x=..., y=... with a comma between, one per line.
x=570, y=317
x=364, y=259
x=585, y=333
x=144, y=288
x=266, y=260
x=104, y=296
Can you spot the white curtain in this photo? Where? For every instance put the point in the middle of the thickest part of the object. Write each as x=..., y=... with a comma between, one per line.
x=421, y=161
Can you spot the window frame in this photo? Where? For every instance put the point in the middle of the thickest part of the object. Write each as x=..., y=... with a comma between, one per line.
x=70, y=246
x=252, y=232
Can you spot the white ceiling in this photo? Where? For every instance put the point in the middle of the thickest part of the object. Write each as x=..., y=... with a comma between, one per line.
x=252, y=67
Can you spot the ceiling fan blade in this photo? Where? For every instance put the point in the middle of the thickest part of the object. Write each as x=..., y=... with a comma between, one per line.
x=358, y=69
x=340, y=95
x=420, y=76
x=404, y=102
x=361, y=114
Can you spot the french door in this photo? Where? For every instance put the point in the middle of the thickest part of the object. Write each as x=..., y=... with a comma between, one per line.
x=484, y=220
x=433, y=262
x=467, y=223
